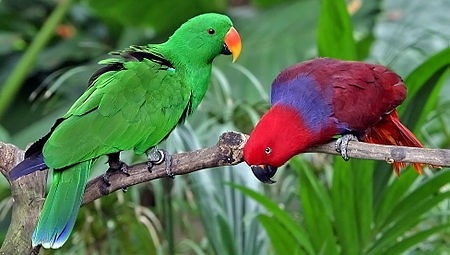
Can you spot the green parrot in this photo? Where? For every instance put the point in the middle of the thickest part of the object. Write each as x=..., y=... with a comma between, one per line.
x=132, y=103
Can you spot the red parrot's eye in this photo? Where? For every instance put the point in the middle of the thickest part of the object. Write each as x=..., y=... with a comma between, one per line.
x=268, y=150
x=211, y=31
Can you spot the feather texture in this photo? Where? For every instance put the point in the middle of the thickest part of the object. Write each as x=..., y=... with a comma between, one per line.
x=61, y=206
x=315, y=100
x=391, y=131
x=305, y=96
x=360, y=93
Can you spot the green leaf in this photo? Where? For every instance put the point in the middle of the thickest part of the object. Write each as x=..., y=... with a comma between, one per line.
x=216, y=201
x=160, y=15
x=412, y=218
x=229, y=245
x=281, y=240
x=391, y=196
x=429, y=98
x=364, y=45
x=335, y=32
x=285, y=219
x=4, y=135
x=425, y=99
x=362, y=171
x=415, y=239
x=344, y=206
x=426, y=190
x=364, y=19
x=303, y=169
x=317, y=211
x=194, y=247
x=409, y=210
x=421, y=76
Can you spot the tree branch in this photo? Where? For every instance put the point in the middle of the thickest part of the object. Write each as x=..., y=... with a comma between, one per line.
x=228, y=151
x=28, y=191
x=390, y=154
x=28, y=197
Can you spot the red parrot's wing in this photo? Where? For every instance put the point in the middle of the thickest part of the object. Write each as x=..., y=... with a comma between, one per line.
x=361, y=93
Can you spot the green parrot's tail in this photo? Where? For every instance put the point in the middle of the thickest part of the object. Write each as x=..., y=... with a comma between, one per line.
x=61, y=205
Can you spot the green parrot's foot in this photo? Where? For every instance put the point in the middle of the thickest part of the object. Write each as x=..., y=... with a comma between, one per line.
x=115, y=165
x=342, y=144
x=156, y=157
x=123, y=168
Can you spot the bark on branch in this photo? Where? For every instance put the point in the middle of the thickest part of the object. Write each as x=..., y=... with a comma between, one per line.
x=228, y=151
x=28, y=191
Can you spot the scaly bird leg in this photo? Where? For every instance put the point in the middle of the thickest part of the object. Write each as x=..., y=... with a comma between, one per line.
x=156, y=156
x=115, y=165
x=342, y=144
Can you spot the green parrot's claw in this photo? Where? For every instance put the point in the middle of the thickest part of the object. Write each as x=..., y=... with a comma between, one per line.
x=156, y=157
x=115, y=165
x=342, y=144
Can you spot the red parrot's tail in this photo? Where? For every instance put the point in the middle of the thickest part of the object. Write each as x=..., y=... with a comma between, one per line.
x=390, y=131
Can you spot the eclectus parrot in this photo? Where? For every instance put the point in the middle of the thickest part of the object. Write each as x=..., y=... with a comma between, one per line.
x=318, y=99
x=133, y=102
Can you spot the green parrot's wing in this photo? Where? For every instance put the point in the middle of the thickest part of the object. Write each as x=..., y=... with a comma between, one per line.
x=132, y=108
x=104, y=76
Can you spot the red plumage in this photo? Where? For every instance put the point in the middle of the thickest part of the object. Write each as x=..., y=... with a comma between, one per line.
x=390, y=131
x=361, y=92
x=330, y=97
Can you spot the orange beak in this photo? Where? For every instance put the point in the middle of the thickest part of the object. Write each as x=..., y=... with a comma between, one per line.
x=233, y=42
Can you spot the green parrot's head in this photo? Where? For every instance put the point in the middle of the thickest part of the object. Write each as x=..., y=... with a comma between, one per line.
x=204, y=37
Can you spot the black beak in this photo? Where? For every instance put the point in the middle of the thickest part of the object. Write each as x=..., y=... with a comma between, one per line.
x=264, y=173
x=225, y=50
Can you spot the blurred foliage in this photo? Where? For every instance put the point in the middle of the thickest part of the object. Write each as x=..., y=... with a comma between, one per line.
x=335, y=32
x=167, y=16
x=322, y=205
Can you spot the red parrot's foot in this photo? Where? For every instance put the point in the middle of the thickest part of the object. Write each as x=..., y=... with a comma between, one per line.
x=342, y=144
x=156, y=157
x=115, y=165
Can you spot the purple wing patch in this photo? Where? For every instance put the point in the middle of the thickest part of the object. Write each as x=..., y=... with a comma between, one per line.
x=304, y=95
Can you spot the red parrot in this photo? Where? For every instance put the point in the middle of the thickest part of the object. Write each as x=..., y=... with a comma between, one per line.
x=315, y=100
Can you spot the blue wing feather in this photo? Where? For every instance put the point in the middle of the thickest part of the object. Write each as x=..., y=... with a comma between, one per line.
x=27, y=166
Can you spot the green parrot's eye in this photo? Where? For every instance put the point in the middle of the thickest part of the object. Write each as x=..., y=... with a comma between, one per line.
x=268, y=150
x=211, y=31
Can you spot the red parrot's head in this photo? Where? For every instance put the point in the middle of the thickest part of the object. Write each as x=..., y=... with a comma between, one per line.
x=279, y=135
